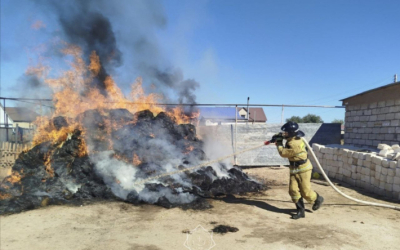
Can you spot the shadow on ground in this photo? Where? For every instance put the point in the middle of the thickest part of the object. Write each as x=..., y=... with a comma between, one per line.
x=260, y=204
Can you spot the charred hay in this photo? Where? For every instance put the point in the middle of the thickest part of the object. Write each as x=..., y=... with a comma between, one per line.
x=223, y=229
x=58, y=173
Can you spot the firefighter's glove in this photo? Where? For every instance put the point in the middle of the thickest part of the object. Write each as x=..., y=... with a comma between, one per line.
x=275, y=137
x=279, y=139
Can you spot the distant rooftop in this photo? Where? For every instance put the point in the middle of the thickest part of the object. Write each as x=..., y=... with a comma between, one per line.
x=256, y=114
x=20, y=114
x=219, y=113
x=371, y=90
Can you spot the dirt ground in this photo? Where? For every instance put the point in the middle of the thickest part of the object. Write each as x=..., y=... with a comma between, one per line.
x=263, y=221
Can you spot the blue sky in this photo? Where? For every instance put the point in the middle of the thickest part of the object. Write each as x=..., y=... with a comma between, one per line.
x=275, y=52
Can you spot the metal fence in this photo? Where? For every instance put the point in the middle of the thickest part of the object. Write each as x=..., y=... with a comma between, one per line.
x=16, y=135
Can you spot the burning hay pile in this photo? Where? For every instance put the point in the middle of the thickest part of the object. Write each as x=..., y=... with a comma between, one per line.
x=98, y=144
x=116, y=164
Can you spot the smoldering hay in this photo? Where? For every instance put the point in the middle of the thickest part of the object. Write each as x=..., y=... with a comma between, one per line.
x=143, y=146
x=101, y=144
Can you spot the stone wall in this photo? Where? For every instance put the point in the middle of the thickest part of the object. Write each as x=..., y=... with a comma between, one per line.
x=367, y=170
x=369, y=124
x=252, y=135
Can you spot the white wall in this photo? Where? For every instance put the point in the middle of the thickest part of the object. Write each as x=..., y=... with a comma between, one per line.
x=2, y=120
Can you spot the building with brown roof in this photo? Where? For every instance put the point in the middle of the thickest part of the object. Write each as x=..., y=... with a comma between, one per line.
x=256, y=115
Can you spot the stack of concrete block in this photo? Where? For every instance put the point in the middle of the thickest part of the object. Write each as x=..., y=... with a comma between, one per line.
x=367, y=170
x=369, y=124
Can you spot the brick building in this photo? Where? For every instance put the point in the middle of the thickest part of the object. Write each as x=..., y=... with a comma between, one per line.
x=373, y=117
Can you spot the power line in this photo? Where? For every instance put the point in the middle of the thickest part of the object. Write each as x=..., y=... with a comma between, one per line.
x=36, y=104
x=25, y=99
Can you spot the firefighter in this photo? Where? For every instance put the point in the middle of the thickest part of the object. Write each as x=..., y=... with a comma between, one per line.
x=300, y=168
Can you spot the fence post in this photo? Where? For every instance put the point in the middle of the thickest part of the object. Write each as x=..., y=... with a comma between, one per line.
x=16, y=133
x=236, y=112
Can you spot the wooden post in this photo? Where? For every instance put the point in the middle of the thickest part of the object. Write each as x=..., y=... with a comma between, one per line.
x=41, y=113
x=16, y=134
x=6, y=119
x=4, y=107
x=14, y=152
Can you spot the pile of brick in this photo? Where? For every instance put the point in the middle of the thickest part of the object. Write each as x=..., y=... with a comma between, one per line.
x=371, y=171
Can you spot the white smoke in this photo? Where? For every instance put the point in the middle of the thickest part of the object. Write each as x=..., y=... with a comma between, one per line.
x=121, y=177
x=178, y=198
x=72, y=187
x=177, y=177
x=118, y=175
x=215, y=149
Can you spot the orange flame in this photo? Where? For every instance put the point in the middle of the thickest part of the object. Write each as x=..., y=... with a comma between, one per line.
x=83, y=151
x=74, y=94
x=121, y=158
x=178, y=115
x=188, y=149
x=15, y=177
x=5, y=196
x=136, y=160
x=47, y=164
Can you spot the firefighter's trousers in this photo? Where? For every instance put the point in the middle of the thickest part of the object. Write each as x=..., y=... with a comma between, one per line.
x=300, y=186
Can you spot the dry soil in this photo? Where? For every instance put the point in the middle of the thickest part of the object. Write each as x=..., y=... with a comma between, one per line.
x=263, y=221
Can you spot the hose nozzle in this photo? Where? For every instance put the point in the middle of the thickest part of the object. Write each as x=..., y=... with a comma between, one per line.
x=274, y=138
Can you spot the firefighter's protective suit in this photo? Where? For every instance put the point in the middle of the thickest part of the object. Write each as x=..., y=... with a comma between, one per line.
x=300, y=169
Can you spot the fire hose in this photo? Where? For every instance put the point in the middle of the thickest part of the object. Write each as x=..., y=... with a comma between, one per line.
x=259, y=146
x=340, y=192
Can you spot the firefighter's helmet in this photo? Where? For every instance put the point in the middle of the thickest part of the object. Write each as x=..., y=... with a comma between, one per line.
x=291, y=128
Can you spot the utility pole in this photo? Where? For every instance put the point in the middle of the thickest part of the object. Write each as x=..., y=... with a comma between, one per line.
x=282, y=115
x=395, y=77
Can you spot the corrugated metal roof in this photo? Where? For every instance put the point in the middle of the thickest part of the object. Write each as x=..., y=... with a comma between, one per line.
x=219, y=113
x=371, y=90
x=19, y=114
